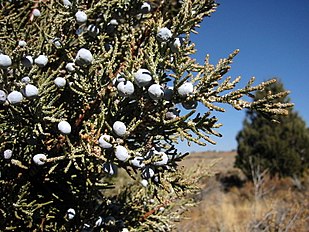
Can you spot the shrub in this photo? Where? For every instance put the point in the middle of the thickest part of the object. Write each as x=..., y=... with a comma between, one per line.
x=108, y=79
x=281, y=148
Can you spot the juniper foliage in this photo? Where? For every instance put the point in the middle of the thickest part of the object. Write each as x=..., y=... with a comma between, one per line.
x=69, y=71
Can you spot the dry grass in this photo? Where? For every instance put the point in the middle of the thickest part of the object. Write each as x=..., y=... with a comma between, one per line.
x=229, y=212
x=280, y=206
x=283, y=207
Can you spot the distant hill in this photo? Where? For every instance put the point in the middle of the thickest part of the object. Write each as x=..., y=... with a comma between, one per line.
x=225, y=159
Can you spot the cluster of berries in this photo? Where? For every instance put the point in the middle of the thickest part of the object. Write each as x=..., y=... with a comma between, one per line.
x=142, y=79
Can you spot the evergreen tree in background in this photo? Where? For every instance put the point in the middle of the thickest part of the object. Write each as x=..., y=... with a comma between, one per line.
x=282, y=148
x=88, y=87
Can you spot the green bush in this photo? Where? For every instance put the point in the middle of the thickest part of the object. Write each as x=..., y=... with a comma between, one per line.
x=282, y=148
x=89, y=87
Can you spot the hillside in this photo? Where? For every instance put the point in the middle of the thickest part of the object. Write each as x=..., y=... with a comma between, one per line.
x=224, y=160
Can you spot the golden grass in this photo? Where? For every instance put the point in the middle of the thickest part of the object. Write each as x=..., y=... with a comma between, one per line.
x=223, y=214
x=283, y=207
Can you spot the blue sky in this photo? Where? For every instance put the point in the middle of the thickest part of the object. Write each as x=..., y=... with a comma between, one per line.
x=273, y=38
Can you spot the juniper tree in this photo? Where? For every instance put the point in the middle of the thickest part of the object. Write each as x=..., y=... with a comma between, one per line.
x=89, y=87
x=281, y=148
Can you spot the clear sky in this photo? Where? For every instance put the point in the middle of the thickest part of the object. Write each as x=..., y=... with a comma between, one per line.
x=273, y=38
